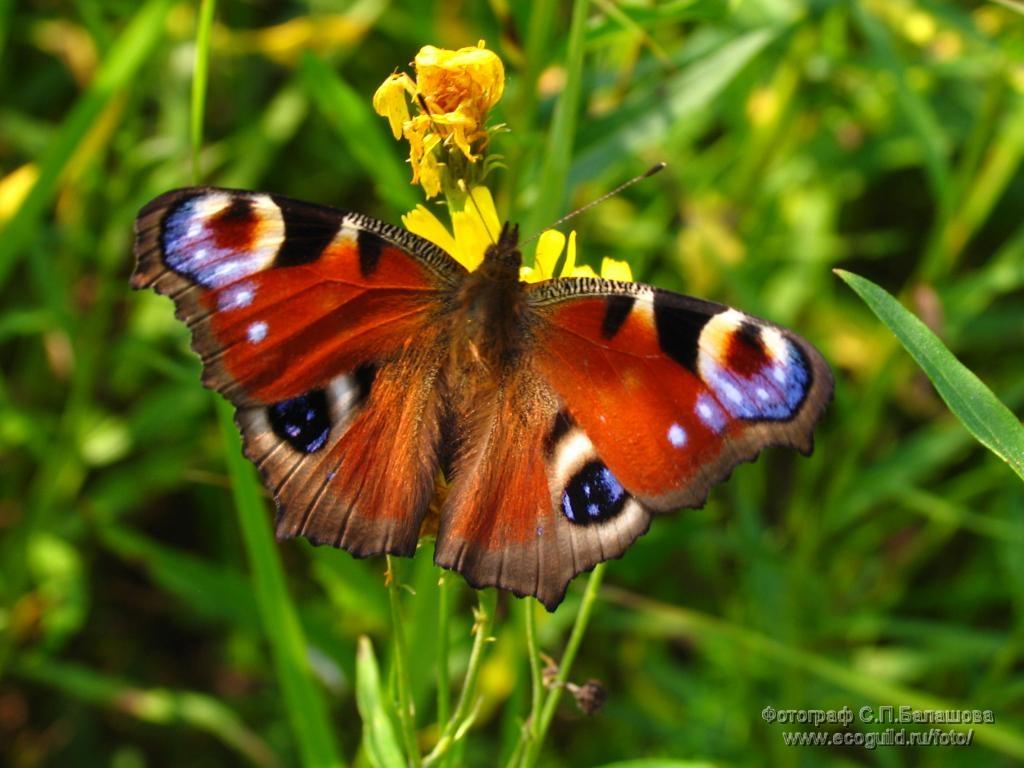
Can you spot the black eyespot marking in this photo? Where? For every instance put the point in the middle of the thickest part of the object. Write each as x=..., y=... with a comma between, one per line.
x=750, y=335
x=593, y=495
x=307, y=231
x=561, y=426
x=678, y=331
x=617, y=309
x=364, y=377
x=304, y=421
x=369, y=251
x=239, y=211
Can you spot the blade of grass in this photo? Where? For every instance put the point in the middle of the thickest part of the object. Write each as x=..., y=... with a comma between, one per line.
x=351, y=116
x=156, y=705
x=645, y=123
x=919, y=114
x=126, y=56
x=444, y=611
x=406, y=709
x=663, y=620
x=558, y=155
x=378, y=731
x=199, y=77
x=980, y=411
x=304, y=705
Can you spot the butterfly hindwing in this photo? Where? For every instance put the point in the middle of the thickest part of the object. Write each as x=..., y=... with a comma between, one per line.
x=318, y=324
x=531, y=505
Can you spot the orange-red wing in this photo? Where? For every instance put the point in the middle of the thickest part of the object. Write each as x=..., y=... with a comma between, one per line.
x=283, y=296
x=503, y=522
x=320, y=326
x=673, y=392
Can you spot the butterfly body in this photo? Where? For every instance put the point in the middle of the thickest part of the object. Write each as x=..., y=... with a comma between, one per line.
x=363, y=361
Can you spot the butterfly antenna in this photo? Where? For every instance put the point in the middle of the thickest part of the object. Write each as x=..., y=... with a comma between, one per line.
x=490, y=235
x=646, y=174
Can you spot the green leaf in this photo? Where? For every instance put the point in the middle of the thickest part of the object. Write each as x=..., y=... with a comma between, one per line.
x=561, y=134
x=119, y=66
x=161, y=706
x=350, y=114
x=378, y=730
x=304, y=705
x=991, y=422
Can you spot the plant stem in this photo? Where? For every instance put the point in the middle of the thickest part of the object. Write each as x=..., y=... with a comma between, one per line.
x=465, y=709
x=406, y=709
x=536, y=683
x=444, y=702
x=579, y=628
x=529, y=730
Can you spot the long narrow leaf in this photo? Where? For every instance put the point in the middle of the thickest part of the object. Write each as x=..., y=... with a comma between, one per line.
x=378, y=730
x=306, y=709
x=349, y=113
x=120, y=65
x=160, y=706
x=991, y=422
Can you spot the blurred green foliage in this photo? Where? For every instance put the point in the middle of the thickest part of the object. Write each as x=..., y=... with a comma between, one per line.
x=144, y=620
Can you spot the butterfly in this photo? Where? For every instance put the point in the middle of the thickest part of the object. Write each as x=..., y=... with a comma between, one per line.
x=364, y=360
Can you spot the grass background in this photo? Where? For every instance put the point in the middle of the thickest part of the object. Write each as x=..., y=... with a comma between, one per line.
x=147, y=619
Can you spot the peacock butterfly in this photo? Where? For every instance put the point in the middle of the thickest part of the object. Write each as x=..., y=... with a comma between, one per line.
x=363, y=360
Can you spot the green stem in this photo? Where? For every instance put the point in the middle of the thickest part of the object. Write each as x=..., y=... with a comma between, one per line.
x=444, y=696
x=406, y=709
x=530, y=727
x=537, y=684
x=465, y=709
x=579, y=628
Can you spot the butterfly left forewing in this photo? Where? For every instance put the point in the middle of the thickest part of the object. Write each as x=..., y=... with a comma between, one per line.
x=280, y=295
x=320, y=325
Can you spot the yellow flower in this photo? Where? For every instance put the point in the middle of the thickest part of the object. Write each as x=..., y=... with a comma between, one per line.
x=474, y=230
x=453, y=93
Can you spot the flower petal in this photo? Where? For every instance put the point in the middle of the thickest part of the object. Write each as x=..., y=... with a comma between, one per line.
x=420, y=221
x=485, y=203
x=429, y=173
x=569, y=267
x=549, y=248
x=390, y=101
x=612, y=269
x=584, y=270
x=472, y=237
x=530, y=275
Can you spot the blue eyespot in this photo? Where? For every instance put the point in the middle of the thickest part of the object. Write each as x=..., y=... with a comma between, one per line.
x=593, y=495
x=304, y=421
